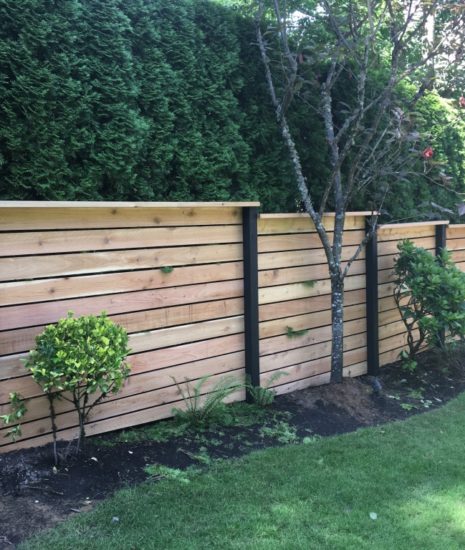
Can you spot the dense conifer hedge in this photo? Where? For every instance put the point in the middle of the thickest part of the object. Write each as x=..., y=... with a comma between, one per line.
x=150, y=100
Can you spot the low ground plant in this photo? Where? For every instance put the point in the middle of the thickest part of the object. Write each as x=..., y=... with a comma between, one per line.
x=204, y=406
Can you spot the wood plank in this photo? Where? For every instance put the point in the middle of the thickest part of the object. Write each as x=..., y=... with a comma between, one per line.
x=41, y=290
x=21, y=340
x=49, y=242
x=12, y=365
x=307, y=321
x=13, y=317
x=22, y=267
x=391, y=247
x=456, y=232
x=410, y=225
x=143, y=416
x=47, y=215
x=283, y=360
x=295, y=291
x=295, y=258
x=386, y=276
x=392, y=356
x=391, y=329
x=387, y=317
x=175, y=336
x=280, y=276
x=320, y=379
x=314, y=304
x=311, y=369
x=117, y=407
x=302, y=241
x=394, y=233
x=395, y=342
x=456, y=244
x=302, y=224
x=136, y=384
x=315, y=336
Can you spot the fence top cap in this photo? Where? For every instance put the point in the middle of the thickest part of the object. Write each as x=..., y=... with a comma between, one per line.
x=305, y=215
x=103, y=204
x=413, y=224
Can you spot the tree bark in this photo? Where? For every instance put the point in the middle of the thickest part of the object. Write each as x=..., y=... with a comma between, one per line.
x=337, y=320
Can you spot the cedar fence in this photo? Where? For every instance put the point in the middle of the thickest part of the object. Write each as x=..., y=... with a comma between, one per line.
x=239, y=282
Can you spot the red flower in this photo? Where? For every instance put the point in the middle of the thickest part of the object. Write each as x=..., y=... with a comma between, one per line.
x=462, y=101
x=428, y=153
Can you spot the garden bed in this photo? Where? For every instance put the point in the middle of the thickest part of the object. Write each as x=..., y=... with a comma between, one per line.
x=35, y=497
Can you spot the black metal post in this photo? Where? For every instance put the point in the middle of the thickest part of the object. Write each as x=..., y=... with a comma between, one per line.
x=441, y=240
x=371, y=264
x=250, y=247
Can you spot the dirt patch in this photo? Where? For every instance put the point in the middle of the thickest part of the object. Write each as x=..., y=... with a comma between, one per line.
x=353, y=398
x=34, y=496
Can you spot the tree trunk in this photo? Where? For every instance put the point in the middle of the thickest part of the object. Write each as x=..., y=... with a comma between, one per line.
x=337, y=319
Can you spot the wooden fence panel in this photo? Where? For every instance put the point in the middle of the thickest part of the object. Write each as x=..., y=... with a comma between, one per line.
x=294, y=284
x=183, y=323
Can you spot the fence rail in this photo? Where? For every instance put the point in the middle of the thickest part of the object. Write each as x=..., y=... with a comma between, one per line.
x=243, y=294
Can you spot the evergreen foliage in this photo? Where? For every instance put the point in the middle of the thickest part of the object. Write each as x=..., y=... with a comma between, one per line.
x=155, y=100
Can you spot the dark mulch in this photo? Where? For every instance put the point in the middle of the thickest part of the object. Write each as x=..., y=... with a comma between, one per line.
x=34, y=496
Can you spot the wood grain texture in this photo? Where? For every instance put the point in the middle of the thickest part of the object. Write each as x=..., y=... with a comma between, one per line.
x=59, y=265
x=47, y=215
x=62, y=288
x=303, y=224
x=49, y=312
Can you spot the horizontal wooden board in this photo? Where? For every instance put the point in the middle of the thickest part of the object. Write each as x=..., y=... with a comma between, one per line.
x=391, y=247
x=13, y=317
x=391, y=329
x=315, y=336
x=19, y=268
x=320, y=379
x=314, y=304
x=117, y=407
x=12, y=365
x=394, y=342
x=295, y=291
x=282, y=276
x=295, y=258
x=20, y=340
x=394, y=233
x=307, y=321
x=136, y=384
x=175, y=336
x=79, y=217
x=283, y=359
x=303, y=224
x=148, y=414
x=308, y=354
x=49, y=242
x=41, y=290
x=456, y=232
x=303, y=241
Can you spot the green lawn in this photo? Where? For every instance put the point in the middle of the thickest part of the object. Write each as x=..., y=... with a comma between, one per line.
x=314, y=496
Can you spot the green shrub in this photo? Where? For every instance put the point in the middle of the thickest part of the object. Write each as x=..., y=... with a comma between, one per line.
x=430, y=295
x=263, y=396
x=203, y=407
x=76, y=358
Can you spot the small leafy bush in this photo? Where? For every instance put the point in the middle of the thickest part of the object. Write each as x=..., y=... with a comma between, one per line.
x=17, y=411
x=79, y=357
x=430, y=295
x=203, y=407
x=263, y=396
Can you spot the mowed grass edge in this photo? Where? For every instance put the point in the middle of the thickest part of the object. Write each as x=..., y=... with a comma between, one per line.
x=409, y=476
